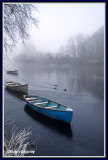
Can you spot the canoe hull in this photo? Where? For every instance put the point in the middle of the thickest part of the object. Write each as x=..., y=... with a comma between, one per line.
x=19, y=88
x=65, y=116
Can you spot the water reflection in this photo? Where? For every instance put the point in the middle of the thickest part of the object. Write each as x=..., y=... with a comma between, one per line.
x=18, y=95
x=88, y=79
x=76, y=80
x=91, y=80
x=80, y=80
x=57, y=126
x=12, y=74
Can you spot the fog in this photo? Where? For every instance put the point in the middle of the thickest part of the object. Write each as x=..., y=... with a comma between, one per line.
x=79, y=50
x=60, y=21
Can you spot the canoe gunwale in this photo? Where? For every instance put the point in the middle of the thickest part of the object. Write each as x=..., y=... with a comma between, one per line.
x=21, y=85
x=13, y=84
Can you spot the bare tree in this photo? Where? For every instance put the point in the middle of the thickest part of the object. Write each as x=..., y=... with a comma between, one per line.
x=71, y=47
x=17, y=20
x=79, y=38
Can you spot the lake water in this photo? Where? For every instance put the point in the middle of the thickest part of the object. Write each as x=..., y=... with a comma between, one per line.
x=84, y=94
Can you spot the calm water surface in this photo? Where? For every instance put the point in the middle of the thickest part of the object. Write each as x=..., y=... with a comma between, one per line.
x=84, y=94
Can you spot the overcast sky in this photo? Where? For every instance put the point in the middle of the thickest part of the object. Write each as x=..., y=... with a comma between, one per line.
x=60, y=21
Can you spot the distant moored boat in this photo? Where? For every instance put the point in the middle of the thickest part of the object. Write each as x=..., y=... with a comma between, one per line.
x=17, y=87
x=12, y=72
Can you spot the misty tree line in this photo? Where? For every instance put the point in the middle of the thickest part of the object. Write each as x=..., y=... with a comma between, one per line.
x=80, y=49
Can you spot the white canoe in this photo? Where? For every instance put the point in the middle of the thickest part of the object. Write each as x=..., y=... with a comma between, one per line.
x=17, y=87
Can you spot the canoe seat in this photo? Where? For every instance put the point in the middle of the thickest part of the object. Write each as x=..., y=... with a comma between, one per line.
x=40, y=103
x=34, y=101
x=31, y=99
x=38, y=100
x=10, y=82
x=52, y=107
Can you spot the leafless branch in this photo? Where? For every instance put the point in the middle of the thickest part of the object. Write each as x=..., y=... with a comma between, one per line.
x=17, y=20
